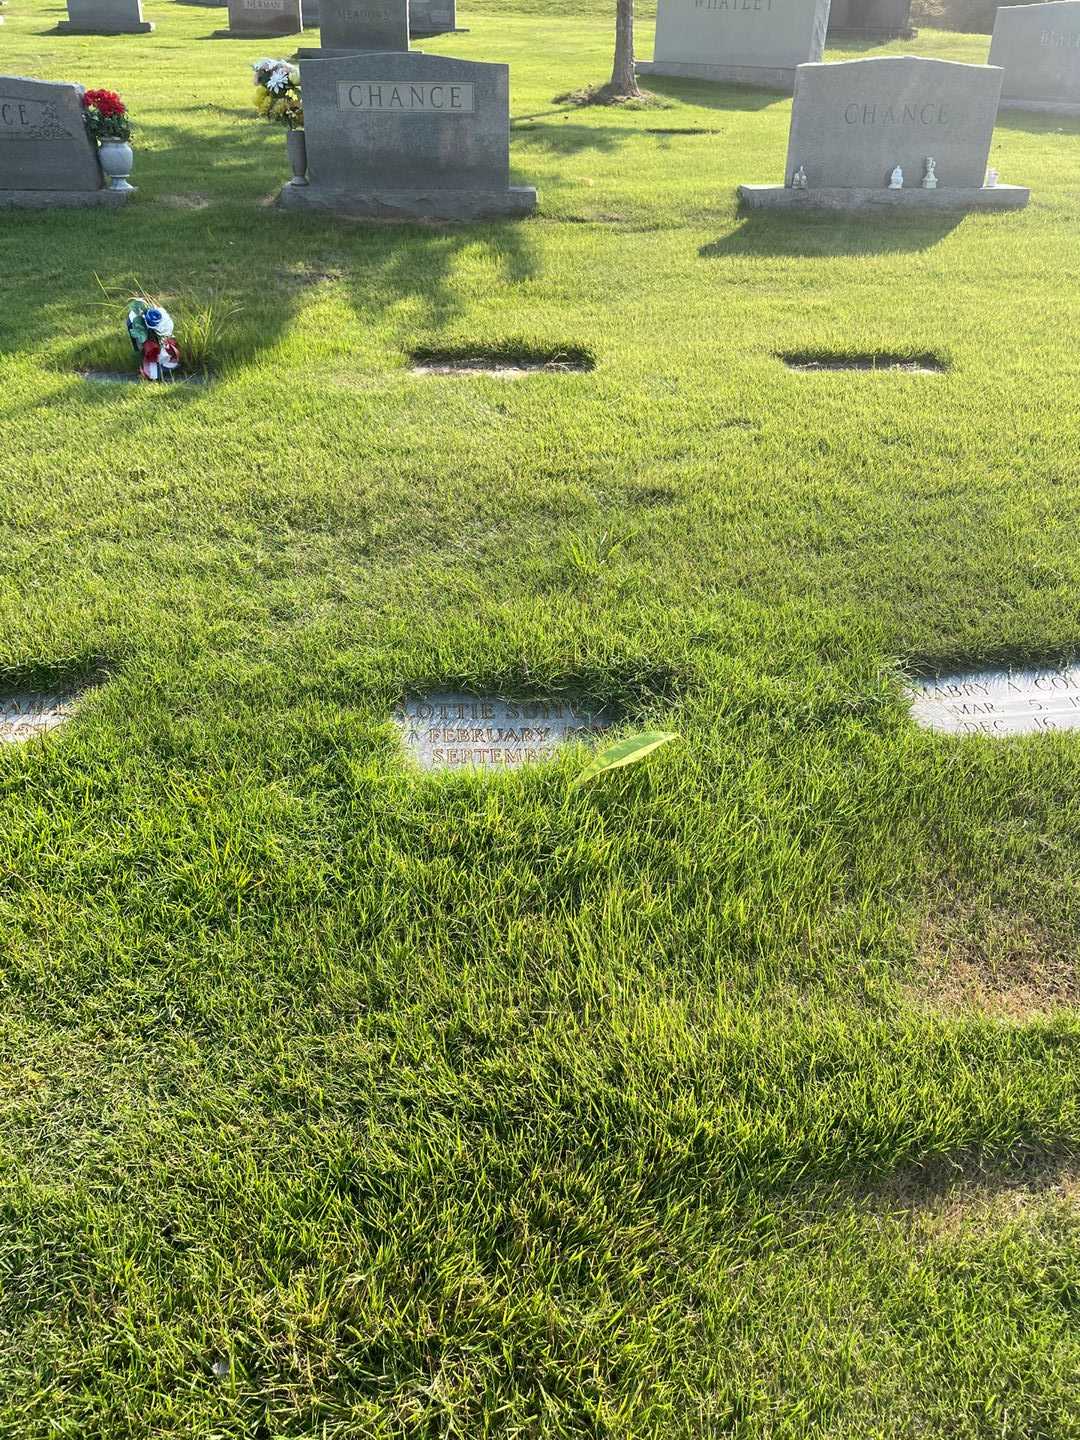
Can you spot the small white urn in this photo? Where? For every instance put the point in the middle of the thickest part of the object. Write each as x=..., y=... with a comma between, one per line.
x=116, y=158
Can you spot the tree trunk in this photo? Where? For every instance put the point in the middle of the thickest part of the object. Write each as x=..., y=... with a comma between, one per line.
x=623, y=79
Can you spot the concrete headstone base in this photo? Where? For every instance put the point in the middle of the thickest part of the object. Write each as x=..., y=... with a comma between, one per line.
x=764, y=77
x=70, y=27
x=785, y=197
x=253, y=34
x=1041, y=107
x=63, y=199
x=516, y=200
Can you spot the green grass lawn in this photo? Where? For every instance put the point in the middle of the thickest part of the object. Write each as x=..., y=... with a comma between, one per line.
x=736, y=1095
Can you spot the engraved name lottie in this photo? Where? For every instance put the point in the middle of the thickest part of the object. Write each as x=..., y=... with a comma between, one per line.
x=417, y=98
x=929, y=114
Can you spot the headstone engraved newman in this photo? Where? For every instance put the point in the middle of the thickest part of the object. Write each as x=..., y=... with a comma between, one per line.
x=264, y=18
x=1039, y=48
x=104, y=17
x=458, y=731
x=741, y=42
x=999, y=702
x=407, y=136
x=46, y=157
x=855, y=122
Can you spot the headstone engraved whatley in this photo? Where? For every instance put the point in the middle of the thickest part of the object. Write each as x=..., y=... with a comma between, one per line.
x=747, y=42
x=46, y=156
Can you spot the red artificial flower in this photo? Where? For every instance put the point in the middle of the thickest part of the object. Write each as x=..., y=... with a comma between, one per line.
x=106, y=102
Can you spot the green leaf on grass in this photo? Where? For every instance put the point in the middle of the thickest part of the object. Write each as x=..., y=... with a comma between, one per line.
x=624, y=752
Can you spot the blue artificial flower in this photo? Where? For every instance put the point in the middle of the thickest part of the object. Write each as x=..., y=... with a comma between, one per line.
x=153, y=317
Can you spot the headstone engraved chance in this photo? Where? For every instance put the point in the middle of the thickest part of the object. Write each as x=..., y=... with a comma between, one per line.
x=432, y=17
x=104, y=17
x=855, y=123
x=363, y=25
x=1039, y=48
x=46, y=157
x=407, y=136
x=459, y=731
x=740, y=42
x=999, y=702
x=264, y=18
x=870, y=20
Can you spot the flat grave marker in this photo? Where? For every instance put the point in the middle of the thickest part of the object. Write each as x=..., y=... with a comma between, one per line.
x=458, y=731
x=999, y=702
x=1038, y=46
x=27, y=714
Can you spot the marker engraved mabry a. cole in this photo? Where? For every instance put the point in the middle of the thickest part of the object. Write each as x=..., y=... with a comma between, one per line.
x=999, y=702
x=406, y=98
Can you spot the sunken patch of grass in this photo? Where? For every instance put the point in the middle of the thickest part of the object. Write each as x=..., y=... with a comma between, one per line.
x=508, y=358
x=608, y=95
x=921, y=363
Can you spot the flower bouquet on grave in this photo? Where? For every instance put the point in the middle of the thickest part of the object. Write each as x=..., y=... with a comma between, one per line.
x=151, y=331
x=109, y=126
x=277, y=93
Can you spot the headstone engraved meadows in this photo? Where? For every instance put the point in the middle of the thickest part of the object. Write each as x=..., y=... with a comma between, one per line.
x=1039, y=48
x=407, y=136
x=363, y=25
x=264, y=18
x=432, y=17
x=999, y=702
x=462, y=731
x=741, y=42
x=104, y=17
x=864, y=131
x=46, y=157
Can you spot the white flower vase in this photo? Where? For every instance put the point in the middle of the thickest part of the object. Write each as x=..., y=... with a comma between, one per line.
x=116, y=158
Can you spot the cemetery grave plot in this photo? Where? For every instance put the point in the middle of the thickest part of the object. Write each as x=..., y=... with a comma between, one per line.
x=812, y=361
x=504, y=361
x=462, y=731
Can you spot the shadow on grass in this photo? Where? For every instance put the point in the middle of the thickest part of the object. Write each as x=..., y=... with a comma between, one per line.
x=237, y=248
x=1036, y=122
x=572, y=139
x=808, y=237
x=709, y=96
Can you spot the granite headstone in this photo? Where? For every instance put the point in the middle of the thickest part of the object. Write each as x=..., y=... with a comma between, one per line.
x=363, y=25
x=1038, y=46
x=265, y=18
x=857, y=126
x=46, y=156
x=869, y=19
x=432, y=17
x=400, y=135
x=104, y=17
x=741, y=42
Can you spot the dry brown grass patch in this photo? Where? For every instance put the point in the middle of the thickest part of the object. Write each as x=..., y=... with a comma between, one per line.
x=947, y=1194
x=974, y=956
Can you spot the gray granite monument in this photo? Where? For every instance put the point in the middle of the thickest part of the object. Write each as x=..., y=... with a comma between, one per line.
x=46, y=157
x=432, y=17
x=351, y=25
x=895, y=130
x=869, y=20
x=264, y=19
x=104, y=17
x=1038, y=47
x=740, y=42
x=399, y=135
